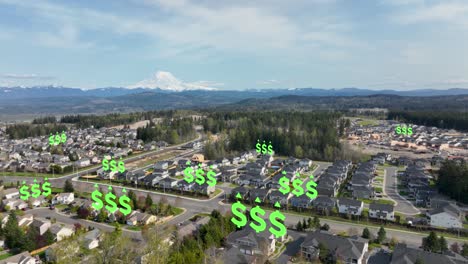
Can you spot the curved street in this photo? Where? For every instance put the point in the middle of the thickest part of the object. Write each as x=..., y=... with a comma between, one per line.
x=391, y=190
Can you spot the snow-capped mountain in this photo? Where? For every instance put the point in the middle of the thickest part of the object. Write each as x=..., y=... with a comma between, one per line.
x=166, y=81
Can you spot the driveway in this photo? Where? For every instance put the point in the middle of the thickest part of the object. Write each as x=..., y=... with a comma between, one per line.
x=390, y=188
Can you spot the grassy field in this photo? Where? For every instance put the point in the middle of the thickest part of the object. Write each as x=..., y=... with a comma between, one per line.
x=379, y=201
x=368, y=122
x=6, y=255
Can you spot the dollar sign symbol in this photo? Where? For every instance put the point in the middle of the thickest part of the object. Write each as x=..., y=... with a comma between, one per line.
x=312, y=192
x=188, y=174
x=258, y=146
x=35, y=189
x=270, y=149
x=51, y=139
x=95, y=196
x=284, y=183
x=105, y=164
x=237, y=210
x=57, y=139
x=64, y=137
x=298, y=191
x=398, y=130
x=261, y=223
x=200, y=179
x=264, y=149
x=110, y=197
x=404, y=130
x=410, y=131
x=210, y=176
x=121, y=166
x=124, y=201
x=24, y=191
x=281, y=231
x=113, y=166
x=46, y=190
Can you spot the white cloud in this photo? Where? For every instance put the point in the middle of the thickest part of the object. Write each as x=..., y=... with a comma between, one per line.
x=166, y=81
x=455, y=12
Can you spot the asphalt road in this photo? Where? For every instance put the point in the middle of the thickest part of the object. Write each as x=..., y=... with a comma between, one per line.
x=390, y=188
x=60, y=181
x=46, y=212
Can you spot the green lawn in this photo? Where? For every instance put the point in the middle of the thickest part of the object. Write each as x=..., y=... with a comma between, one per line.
x=6, y=255
x=177, y=211
x=233, y=185
x=378, y=189
x=134, y=228
x=379, y=201
x=368, y=122
x=217, y=191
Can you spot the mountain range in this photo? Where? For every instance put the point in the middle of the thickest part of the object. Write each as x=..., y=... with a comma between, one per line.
x=46, y=100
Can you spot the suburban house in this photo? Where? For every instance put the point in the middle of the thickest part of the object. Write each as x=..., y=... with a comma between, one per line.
x=262, y=194
x=448, y=215
x=381, y=211
x=61, y=231
x=403, y=254
x=63, y=198
x=302, y=201
x=349, y=250
x=162, y=165
x=11, y=193
x=91, y=239
x=277, y=196
x=349, y=206
x=204, y=189
x=244, y=192
x=137, y=218
x=251, y=243
x=191, y=227
x=41, y=225
x=167, y=183
x=323, y=203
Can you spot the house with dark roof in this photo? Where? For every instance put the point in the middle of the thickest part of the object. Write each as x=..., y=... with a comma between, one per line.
x=302, y=201
x=262, y=194
x=277, y=196
x=251, y=243
x=323, y=203
x=402, y=254
x=350, y=206
x=381, y=211
x=349, y=250
x=448, y=215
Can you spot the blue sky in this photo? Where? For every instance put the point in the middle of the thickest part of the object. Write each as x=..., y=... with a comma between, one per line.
x=376, y=44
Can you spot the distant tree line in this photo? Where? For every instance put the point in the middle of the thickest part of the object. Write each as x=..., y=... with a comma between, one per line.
x=301, y=134
x=173, y=131
x=453, y=180
x=447, y=120
x=19, y=131
x=44, y=120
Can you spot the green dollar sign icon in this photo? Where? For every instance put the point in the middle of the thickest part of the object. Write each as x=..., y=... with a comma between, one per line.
x=264, y=147
x=64, y=137
x=200, y=178
x=210, y=176
x=51, y=139
x=270, y=148
x=284, y=183
x=311, y=191
x=113, y=165
x=46, y=190
x=57, y=139
x=96, y=198
x=410, y=131
x=261, y=225
x=124, y=201
x=398, y=130
x=258, y=146
x=35, y=189
x=105, y=164
x=188, y=174
x=24, y=191
x=110, y=200
x=281, y=229
x=298, y=190
x=121, y=166
x=238, y=210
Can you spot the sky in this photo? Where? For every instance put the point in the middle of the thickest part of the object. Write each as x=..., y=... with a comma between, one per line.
x=225, y=44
